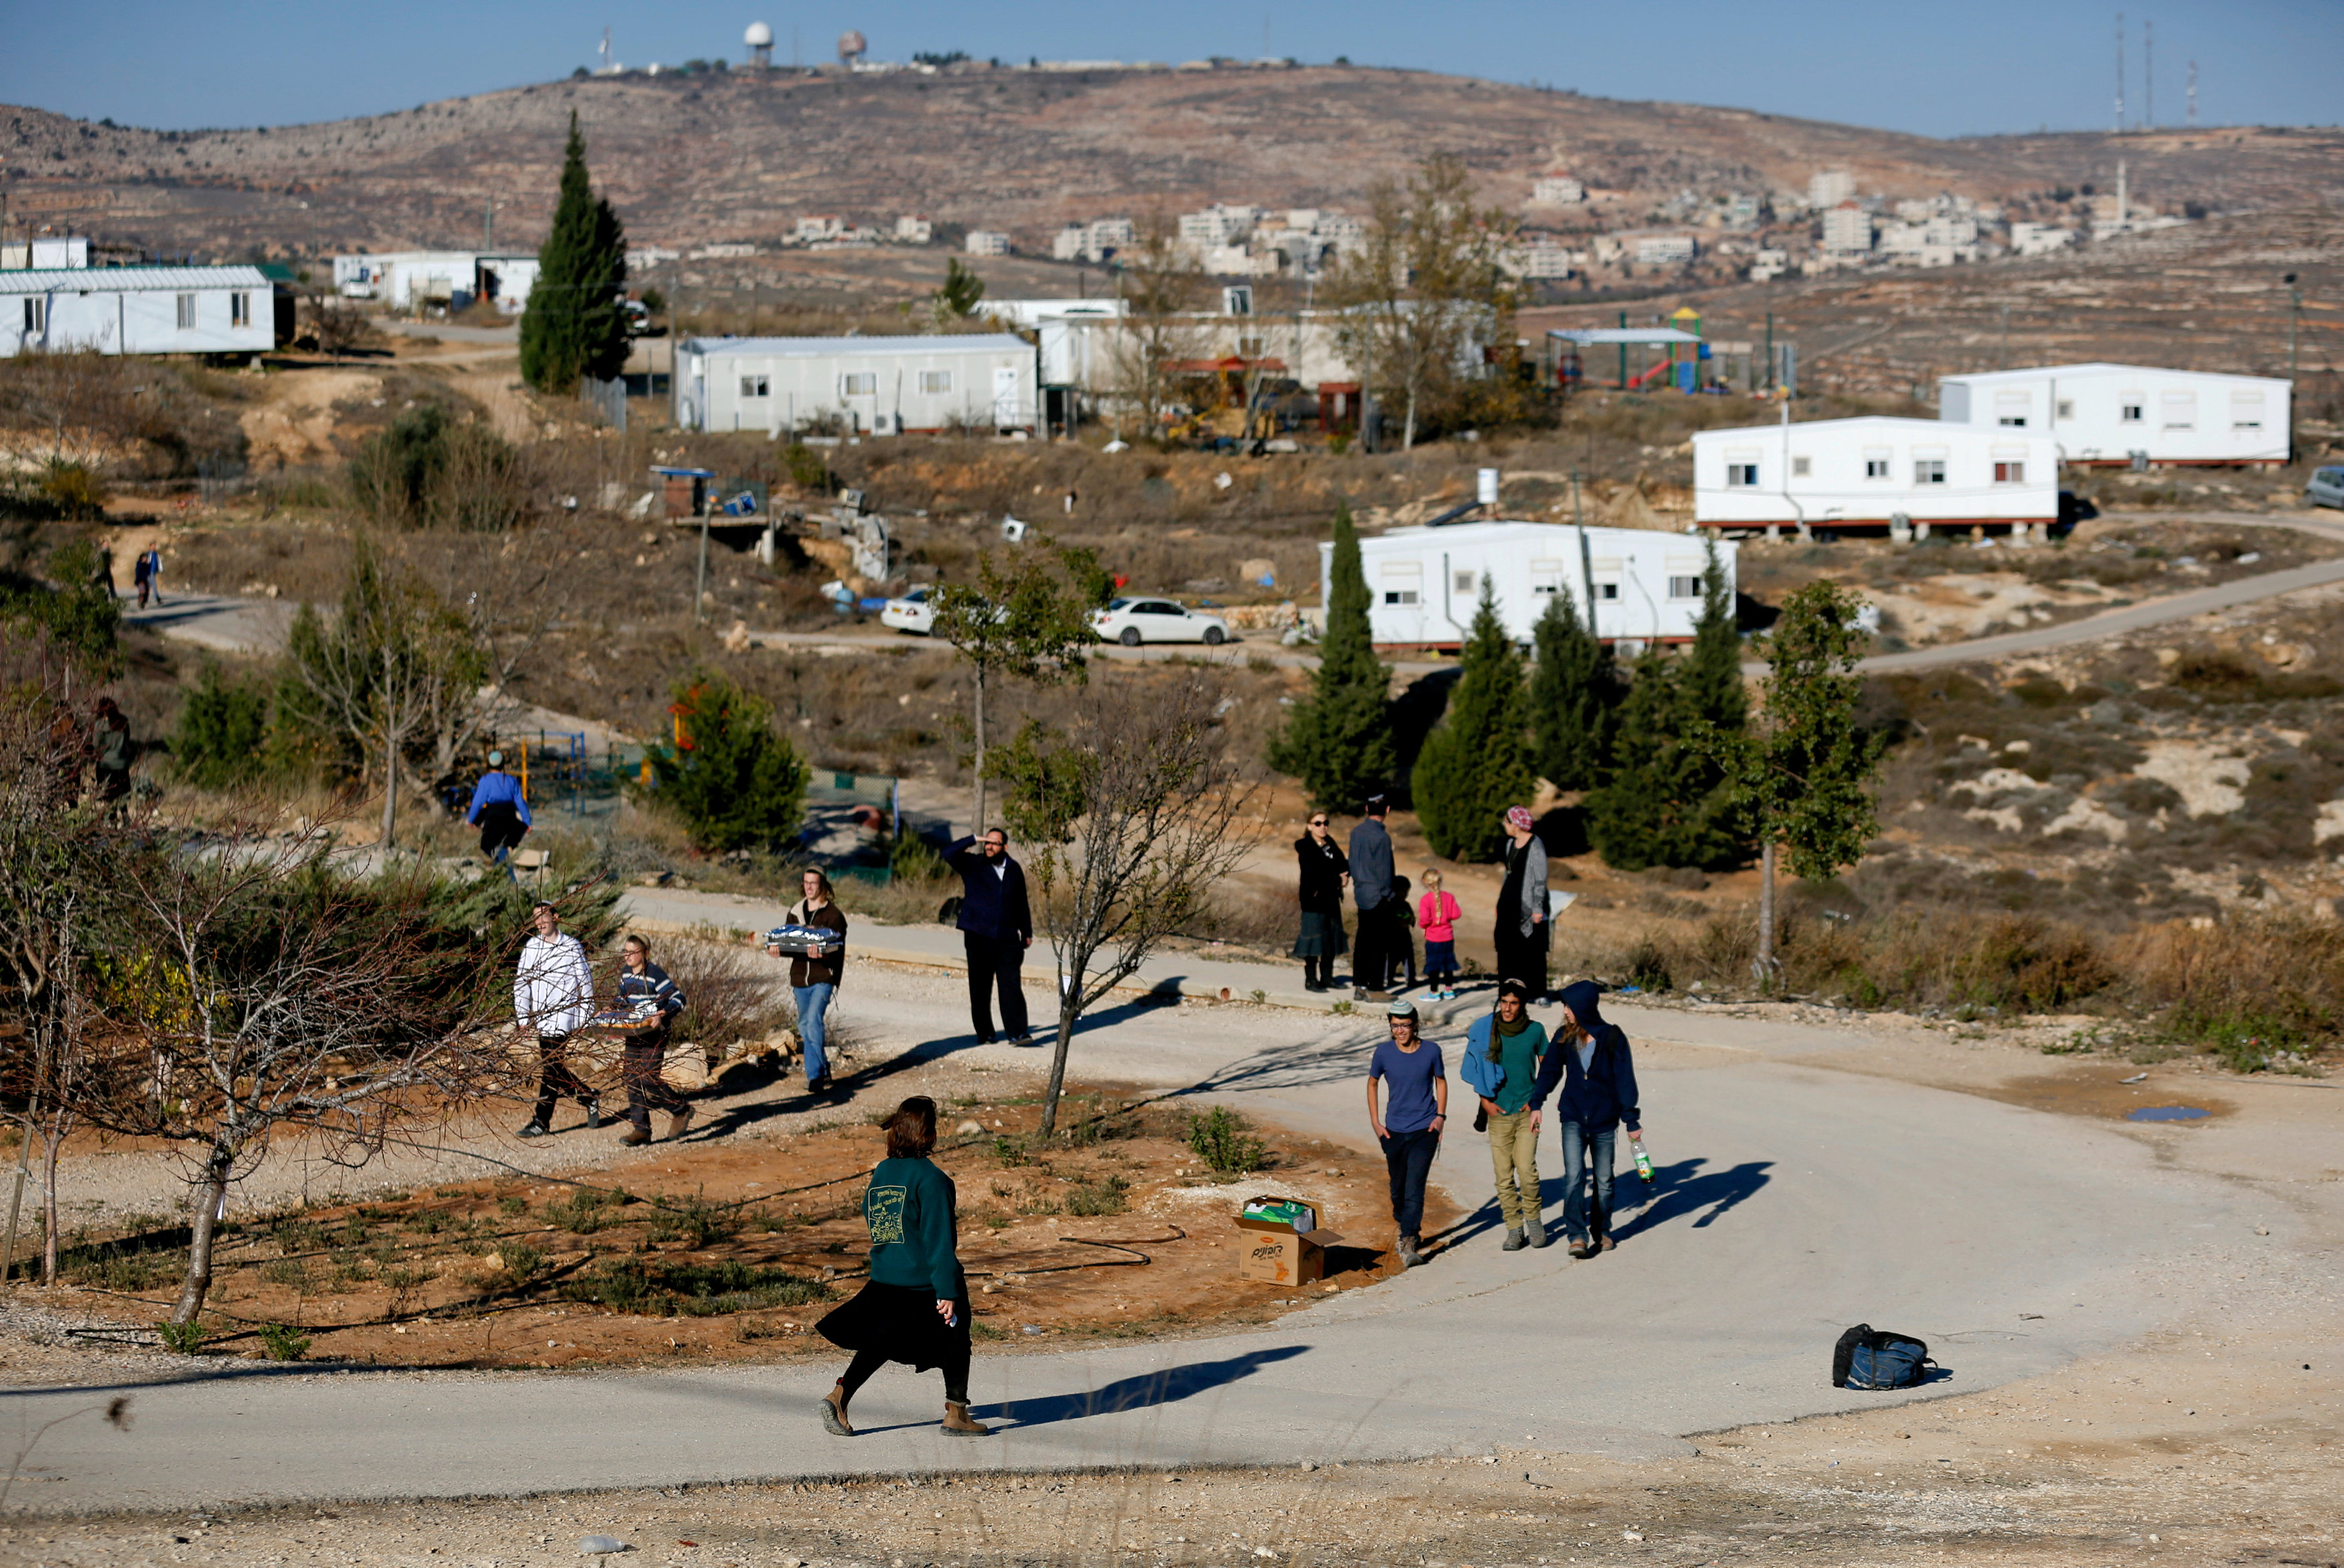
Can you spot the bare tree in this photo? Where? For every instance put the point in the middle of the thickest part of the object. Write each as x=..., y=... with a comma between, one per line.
x=1131, y=823
x=68, y=406
x=1159, y=283
x=1423, y=290
x=276, y=995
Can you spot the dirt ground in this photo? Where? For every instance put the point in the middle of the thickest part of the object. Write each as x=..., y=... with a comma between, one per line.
x=723, y=1250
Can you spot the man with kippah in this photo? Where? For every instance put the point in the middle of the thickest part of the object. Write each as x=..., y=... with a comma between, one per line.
x=500, y=812
x=1408, y=1125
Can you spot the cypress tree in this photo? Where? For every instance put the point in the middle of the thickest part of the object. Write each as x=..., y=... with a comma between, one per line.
x=1477, y=763
x=1575, y=696
x=1668, y=802
x=572, y=326
x=1338, y=741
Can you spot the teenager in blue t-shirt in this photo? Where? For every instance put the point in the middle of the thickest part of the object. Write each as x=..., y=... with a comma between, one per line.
x=1409, y=1127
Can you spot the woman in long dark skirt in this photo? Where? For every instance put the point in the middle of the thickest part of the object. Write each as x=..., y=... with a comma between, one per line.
x=914, y=1309
x=1325, y=872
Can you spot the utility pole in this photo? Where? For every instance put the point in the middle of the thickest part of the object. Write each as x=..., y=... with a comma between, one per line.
x=487, y=224
x=1769, y=350
x=2294, y=312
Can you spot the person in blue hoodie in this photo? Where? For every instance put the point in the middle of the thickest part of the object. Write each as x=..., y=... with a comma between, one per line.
x=1597, y=1073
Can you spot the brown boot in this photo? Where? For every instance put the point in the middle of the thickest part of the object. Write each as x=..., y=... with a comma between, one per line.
x=834, y=1414
x=678, y=1123
x=957, y=1423
x=635, y=1137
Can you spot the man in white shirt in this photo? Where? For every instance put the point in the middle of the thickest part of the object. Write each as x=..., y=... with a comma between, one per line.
x=553, y=993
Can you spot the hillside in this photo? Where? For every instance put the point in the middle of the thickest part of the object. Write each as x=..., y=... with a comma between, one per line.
x=739, y=155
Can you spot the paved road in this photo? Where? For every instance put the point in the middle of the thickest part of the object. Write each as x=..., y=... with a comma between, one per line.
x=221, y=622
x=1794, y=1199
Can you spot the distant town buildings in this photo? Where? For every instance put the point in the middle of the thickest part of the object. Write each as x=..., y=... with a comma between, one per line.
x=985, y=242
x=1093, y=241
x=1826, y=188
x=1847, y=229
x=1557, y=190
x=913, y=229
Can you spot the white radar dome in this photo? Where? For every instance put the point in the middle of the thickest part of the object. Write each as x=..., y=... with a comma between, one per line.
x=758, y=36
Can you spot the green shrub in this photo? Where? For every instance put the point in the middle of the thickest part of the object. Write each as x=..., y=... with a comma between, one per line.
x=183, y=1339
x=733, y=780
x=690, y=1290
x=1219, y=1137
x=1648, y=964
x=222, y=732
x=74, y=490
x=283, y=1342
x=806, y=470
x=1108, y=1195
x=432, y=470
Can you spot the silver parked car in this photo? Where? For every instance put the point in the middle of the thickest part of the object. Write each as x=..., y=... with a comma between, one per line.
x=2326, y=487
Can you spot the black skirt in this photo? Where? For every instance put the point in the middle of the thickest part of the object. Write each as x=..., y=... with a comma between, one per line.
x=900, y=1322
x=1321, y=936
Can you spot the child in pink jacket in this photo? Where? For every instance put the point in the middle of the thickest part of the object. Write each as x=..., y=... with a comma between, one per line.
x=1437, y=912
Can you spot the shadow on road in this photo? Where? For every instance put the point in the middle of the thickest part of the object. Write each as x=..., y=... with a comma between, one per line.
x=1144, y=1391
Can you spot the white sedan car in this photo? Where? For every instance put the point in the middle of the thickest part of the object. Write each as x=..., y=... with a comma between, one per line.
x=911, y=613
x=1132, y=621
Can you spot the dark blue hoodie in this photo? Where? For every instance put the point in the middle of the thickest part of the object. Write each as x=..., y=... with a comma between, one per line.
x=1601, y=1095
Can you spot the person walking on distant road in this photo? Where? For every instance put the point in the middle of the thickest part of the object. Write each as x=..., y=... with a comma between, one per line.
x=1511, y=1042
x=1371, y=892
x=1521, y=927
x=500, y=812
x=147, y=573
x=644, y=1056
x=996, y=926
x=1410, y=1125
x=553, y=993
x=1437, y=912
x=1591, y=1062
x=814, y=981
x=914, y=1308
x=1324, y=872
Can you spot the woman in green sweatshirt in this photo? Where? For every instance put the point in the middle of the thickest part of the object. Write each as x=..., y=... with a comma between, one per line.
x=914, y=1309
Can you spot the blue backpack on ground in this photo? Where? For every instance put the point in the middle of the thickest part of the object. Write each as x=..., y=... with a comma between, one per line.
x=1870, y=1358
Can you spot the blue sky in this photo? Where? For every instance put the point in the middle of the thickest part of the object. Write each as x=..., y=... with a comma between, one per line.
x=1935, y=69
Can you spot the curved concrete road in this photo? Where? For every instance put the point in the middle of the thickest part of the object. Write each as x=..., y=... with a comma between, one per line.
x=1795, y=1199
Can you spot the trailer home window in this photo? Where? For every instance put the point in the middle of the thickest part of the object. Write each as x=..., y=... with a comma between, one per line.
x=1801, y=467
x=2246, y=410
x=2010, y=473
x=858, y=384
x=1546, y=576
x=1740, y=476
x=1928, y=470
x=2178, y=410
x=1684, y=588
x=2132, y=409
x=187, y=313
x=756, y=386
x=240, y=310
x=933, y=381
x=1400, y=580
x=1464, y=583
x=34, y=315
x=1875, y=463
x=2011, y=408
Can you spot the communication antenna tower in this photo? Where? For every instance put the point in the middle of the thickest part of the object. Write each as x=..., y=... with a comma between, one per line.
x=2119, y=72
x=606, y=51
x=2193, y=94
x=2149, y=72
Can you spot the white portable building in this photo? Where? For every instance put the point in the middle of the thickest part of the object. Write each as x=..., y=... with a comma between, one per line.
x=142, y=310
x=404, y=279
x=871, y=386
x=1424, y=584
x=1864, y=473
x=2103, y=414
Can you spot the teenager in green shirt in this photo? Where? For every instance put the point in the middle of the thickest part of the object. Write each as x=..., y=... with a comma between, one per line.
x=914, y=1308
x=1503, y=1051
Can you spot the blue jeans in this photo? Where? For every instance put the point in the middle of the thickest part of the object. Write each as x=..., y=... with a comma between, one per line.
x=1408, y=1159
x=814, y=1003
x=1579, y=1223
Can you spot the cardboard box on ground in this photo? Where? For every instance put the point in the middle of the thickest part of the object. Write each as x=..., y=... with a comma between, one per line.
x=1278, y=1252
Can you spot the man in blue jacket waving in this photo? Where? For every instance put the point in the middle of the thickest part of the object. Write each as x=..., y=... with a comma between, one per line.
x=996, y=926
x=1591, y=1061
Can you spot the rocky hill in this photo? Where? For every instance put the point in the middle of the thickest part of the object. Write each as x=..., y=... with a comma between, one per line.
x=739, y=155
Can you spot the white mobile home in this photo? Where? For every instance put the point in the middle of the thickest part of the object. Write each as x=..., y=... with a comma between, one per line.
x=143, y=310
x=410, y=279
x=1424, y=584
x=2103, y=414
x=1864, y=473
x=865, y=385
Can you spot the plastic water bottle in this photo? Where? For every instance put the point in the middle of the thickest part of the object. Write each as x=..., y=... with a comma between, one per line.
x=1643, y=1161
